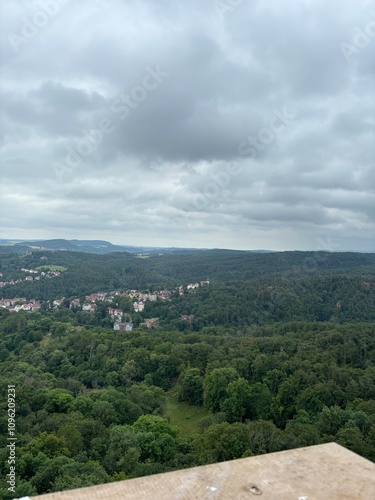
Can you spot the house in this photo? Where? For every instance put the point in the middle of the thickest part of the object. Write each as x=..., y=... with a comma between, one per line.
x=17, y=299
x=115, y=313
x=151, y=323
x=89, y=307
x=91, y=298
x=205, y=282
x=95, y=297
x=165, y=294
x=138, y=306
x=58, y=302
x=74, y=303
x=192, y=286
x=189, y=317
x=123, y=327
x=29, y=278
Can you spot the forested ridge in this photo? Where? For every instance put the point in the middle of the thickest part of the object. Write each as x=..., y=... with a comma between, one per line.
x=278, y=352
x=88, y=272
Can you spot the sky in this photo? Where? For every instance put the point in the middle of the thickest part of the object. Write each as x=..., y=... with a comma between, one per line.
x=241, y=124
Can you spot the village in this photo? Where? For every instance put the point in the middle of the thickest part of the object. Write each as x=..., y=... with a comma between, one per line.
x=37, y=276
x=121, y=320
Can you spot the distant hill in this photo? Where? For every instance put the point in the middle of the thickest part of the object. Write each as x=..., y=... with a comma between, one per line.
x=97, y=246
x=87, y=246
x=48, y=245
x=100, y=247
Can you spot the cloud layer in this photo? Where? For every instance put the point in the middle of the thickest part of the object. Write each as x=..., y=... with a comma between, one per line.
x=195, y=123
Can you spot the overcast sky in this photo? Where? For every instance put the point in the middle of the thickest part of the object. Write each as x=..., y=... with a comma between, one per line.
x=193, y=123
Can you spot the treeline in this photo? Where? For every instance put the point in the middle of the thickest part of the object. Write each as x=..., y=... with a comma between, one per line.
x=91, y=403
x=89, y=272
x=337, y=298
x=262, y=300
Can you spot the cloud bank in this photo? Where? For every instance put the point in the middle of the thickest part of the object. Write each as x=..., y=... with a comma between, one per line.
x=225, y=124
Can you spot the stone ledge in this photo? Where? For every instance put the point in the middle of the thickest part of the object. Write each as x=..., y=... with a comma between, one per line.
x=323, y=472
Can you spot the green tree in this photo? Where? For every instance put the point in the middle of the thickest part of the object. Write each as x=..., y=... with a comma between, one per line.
x=44, y=478
x=104, y=412
x=260, y=402
x=49, y=444
x=222, y=442
x=264, y=437
x=72, y=436
x=123, y=450
x=78, y=475
x=215, y=387
x=150, y=399
x=351, y=438
x=237, y=405
x=155, y=424
x=191, y=386
x=58, y=401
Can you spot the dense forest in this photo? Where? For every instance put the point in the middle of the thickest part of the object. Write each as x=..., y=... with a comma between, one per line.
x=278, y=353
x=88, y=272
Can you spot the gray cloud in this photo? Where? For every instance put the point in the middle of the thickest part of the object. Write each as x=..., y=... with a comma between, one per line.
x=200, y=156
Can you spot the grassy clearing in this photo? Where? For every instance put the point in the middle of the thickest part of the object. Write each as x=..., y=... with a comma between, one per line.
x=183, y=415
x=51, y=268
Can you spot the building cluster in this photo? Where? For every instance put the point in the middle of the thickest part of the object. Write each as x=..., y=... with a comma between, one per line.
x=115, y=314
x=123, y=327
x=99, y=297
x=143, y=296
x=194, y=286
x=20, y=304
x=90, y=304
x=58, y=302
x=37, y=276
x=151, y=323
